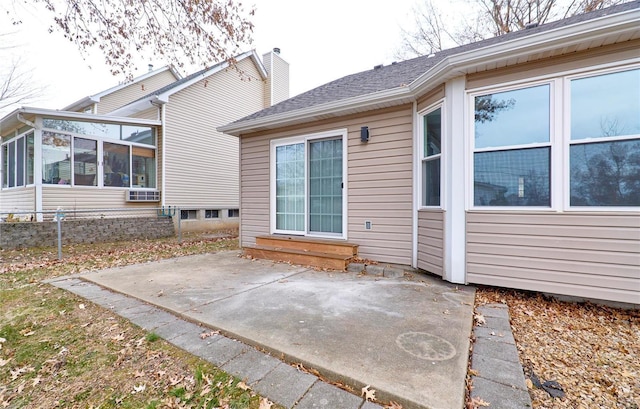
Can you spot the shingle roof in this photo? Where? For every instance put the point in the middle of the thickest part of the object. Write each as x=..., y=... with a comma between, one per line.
x=404, y=73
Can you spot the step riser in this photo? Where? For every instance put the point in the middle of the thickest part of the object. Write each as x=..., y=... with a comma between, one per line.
x=337, y=249
x=301, y=259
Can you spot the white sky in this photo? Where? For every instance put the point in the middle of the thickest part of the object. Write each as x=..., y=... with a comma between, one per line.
x=322, y=41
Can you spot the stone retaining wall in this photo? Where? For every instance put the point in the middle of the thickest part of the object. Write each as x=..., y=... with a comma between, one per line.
x=45, y=234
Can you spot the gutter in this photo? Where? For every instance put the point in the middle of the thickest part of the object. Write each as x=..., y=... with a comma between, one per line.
x=451, y=66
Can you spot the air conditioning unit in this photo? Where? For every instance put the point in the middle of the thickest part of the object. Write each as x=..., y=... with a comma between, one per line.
x=142, y=196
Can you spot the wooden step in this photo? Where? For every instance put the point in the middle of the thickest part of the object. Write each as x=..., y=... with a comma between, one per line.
x=300, y=257
x=337, y=247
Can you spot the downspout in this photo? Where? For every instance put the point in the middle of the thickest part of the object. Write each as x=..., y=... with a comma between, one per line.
x=416, y=189
x=163, y=123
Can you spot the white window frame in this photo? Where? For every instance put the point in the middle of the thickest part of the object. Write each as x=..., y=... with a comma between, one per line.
x=15, y=139
x=306, y=138
x=422, y=158
x=552, y=83
x=100, y=153
x=568, y=142
x=560, y=136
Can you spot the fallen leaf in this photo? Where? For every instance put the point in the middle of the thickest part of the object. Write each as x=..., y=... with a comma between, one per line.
x=479, y=318
x=393, y=405
x=119, y=337
x=174, y=381
x=473, y=372
x=369, y=394
x=35, y=381
x=139, y=388
x=81, y=306
x=139, y=374
x=243, y=386
x=479, y=402
x=3, y=362
x=265, y=404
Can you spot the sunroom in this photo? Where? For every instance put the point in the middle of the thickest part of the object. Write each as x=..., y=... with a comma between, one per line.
x=51, y=159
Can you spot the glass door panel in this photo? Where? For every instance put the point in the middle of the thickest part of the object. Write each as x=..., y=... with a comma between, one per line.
x=290, y=195
x=325, y=186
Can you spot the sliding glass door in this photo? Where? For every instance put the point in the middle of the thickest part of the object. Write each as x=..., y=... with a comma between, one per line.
x=308, y=186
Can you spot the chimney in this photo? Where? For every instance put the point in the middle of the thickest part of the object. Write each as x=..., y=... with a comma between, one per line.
x=150, y=67
x=277, y=84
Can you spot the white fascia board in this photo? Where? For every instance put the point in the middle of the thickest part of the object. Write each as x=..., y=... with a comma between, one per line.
x=52, y=113
x=397, y=95
x=258, y=62
x=94, y=99
x=163, y=98
x=165, y=95
x=138, y=106
x=549, y=39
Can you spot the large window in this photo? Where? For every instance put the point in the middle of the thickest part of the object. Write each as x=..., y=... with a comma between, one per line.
x=431, y=158
x=512, y=155
x=17, y=161
x=308, y=184
x=56, y=158
x=605, y=140
x=106, y=155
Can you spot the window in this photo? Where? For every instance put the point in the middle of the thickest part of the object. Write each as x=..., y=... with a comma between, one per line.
x=116, y=164
x=122, y=164
x=144, y=167
x=17, y=161
x=511, y=162
x=604, y=145
x=308, y=184
x=431, y=158
x=188, y=214
x=85, y=162
x=211, y=214
x=233, y=213
x=56, y=158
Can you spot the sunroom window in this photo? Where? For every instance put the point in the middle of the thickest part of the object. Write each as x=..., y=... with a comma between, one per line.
x=605, y=140
x=512, y=155
x=102, y=155
x=17, y=161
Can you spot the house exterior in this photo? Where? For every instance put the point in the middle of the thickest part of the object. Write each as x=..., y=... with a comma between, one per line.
x=512, y=162
x=148, y=143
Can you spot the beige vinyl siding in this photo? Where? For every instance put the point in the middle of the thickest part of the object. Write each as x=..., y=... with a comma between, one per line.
x=594, y=255
x=151, y=113
x=280, y=78
x=202, y=163
x=134, y=92
x=80, y=198
x=266, y=60
x=580, y=60
x=379, y=182
x=254, y=189
x=431, y=97
x=431, y=241
x=18, y=199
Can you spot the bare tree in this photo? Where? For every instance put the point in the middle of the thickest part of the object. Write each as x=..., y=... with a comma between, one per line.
x=16, y=86
x=489, y=18
x=196, y=32
x=16, y=81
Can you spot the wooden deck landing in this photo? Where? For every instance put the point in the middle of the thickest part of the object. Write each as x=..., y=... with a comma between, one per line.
x=321, y=253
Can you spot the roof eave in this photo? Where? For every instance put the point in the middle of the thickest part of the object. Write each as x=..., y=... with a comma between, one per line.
x=387, y=98
x=450, y=67
x=460, y=64
x=11, y=121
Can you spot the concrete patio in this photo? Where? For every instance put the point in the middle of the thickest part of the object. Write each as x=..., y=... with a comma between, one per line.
x=406, y=337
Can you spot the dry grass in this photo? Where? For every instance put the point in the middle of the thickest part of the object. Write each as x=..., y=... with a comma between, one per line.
x=60, y=351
